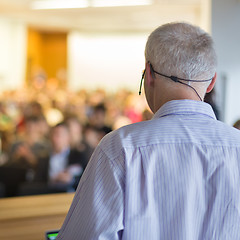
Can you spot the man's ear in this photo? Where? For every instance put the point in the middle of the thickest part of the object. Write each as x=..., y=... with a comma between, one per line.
x=149, y=75
x=211, y=85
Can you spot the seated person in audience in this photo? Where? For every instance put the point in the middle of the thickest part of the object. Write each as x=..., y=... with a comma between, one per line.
x=28, y=150
x=64, y=165
x=97, y=119
x=93, y=136
x=26, y=110
x=77, y=140
x=30, y=147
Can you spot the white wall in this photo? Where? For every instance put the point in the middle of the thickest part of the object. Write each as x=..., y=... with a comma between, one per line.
x=12, y=54
x=226, y=34
x=106, y=61
x=113, y=61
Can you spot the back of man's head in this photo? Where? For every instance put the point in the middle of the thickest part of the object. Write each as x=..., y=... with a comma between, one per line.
x=182, y=50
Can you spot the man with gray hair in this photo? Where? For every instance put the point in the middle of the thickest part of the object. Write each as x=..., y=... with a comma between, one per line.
x=176, y=176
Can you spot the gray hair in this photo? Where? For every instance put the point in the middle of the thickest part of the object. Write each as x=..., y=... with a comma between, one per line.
x=182, y=50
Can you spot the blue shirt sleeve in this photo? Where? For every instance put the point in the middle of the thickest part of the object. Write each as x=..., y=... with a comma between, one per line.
x=98, y=206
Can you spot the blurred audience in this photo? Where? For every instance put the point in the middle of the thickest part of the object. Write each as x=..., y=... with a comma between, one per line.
x=77, y=139
x=97, y=119
x=93, y=135
x=29, y=145
x=63, y=163
x=52, y=133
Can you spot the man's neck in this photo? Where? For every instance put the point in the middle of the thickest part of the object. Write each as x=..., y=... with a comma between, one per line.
x=159, y=102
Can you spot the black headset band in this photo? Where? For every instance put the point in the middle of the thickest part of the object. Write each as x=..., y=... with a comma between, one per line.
x=175, y=79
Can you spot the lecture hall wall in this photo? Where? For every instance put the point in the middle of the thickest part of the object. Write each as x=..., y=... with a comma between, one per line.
x=113, y=60
x=226, y=34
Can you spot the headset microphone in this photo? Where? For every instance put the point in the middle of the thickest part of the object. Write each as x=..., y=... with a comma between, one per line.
x=175, y=79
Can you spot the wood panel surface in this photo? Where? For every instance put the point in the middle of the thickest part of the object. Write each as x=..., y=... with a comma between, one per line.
x=29, y=217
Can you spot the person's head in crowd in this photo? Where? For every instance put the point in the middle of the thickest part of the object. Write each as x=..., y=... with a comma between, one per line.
x=237, y=124
x=32, y=129
x=34, y=108
x=75, y=130
x=97, y=117
x=60, y=137
x=180, y=64
x=28, y=110
x=92, y=135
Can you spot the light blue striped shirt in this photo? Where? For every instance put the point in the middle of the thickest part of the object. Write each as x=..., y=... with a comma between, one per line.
x=174, y=177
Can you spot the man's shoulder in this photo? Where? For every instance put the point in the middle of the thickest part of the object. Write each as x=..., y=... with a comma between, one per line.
x=228, y=132
x=128, y=132
x=129, y=136
x=168, y=129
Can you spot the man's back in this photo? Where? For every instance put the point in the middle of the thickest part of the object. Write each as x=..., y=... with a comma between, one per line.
x=174, y=177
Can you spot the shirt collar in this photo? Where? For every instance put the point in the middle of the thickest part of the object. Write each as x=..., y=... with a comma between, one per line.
x=185, y=107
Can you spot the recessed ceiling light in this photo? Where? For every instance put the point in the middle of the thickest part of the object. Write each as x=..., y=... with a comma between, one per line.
x=118, y=3
x=59, y=4
x=64, y=4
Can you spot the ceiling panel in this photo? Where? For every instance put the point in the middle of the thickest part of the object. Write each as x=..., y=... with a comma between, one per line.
x=128, y=19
